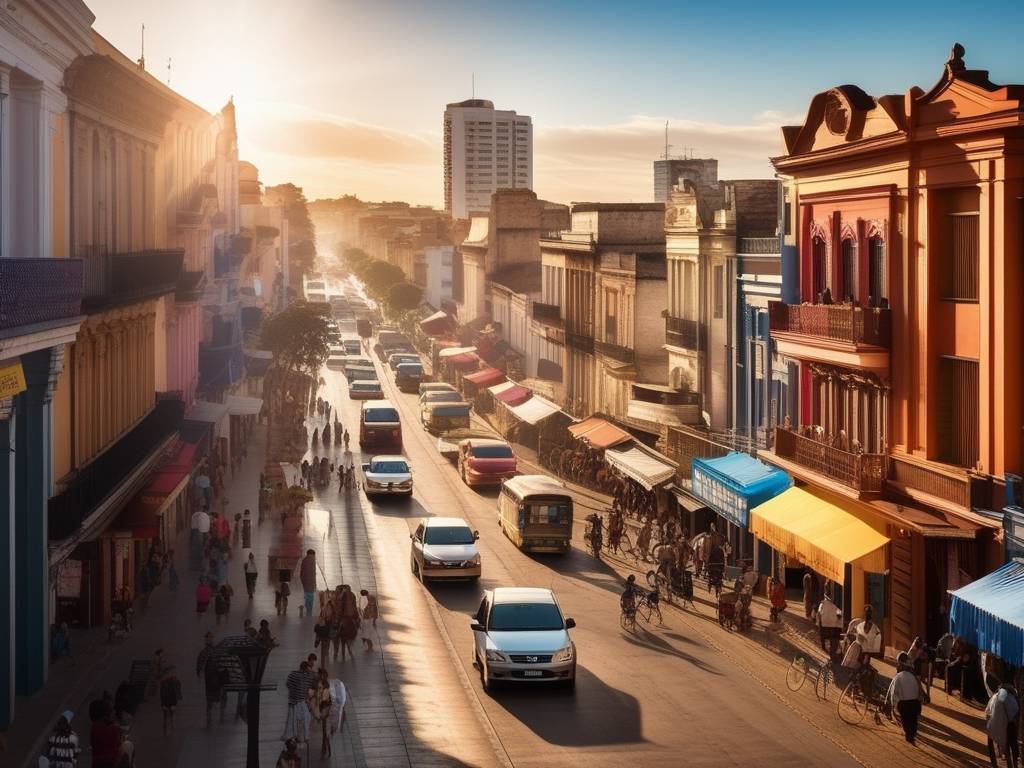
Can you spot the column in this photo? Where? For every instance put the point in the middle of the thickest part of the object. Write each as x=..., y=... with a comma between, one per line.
x=8, y=429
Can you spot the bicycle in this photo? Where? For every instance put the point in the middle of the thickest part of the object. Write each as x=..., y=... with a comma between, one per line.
x=648, y=609
x=627, y=620
x=858, y=696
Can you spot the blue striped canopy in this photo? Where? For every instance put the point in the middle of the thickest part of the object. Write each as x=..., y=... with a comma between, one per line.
x=989, y=612
x=733, y=484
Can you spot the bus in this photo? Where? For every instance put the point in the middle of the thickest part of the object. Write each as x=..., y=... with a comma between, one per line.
x=535, y=512
x=379, y=426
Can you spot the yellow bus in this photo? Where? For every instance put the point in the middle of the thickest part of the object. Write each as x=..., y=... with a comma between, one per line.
x=535, y=512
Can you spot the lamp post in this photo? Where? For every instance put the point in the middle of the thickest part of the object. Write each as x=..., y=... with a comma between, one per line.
x=245, y=661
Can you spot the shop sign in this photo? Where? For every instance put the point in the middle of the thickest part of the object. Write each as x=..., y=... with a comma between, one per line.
x=12, y=379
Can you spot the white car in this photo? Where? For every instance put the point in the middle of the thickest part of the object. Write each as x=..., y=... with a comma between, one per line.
x=387, y=474
x=519, y=634
x=445, y=548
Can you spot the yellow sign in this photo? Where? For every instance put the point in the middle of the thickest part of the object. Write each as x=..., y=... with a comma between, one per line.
x=12, y=379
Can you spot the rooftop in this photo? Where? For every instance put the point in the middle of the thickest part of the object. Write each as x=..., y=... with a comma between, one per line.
x=588, y=207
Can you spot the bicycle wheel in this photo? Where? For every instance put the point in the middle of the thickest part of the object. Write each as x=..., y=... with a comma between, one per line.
x=822, y=680
x=796, y=674
x=628, y=621
x=853, y=704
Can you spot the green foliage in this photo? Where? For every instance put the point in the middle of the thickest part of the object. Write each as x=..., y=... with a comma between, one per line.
x=404, y=297
x=378, y=277
x=297, y=336
x=301, y=234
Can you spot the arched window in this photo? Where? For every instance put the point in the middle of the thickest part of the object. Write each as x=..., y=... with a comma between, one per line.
x=819, y=266
x=849, y=264
x=876, y=271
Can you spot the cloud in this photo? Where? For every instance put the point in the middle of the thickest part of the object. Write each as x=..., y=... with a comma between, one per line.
x=344, y=139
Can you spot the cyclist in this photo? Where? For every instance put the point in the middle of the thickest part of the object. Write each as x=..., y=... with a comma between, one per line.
x=627, y=601
x=594, y=534
x=614, y=530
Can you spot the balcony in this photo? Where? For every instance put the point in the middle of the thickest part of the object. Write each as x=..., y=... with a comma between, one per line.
x=104, y=479
x=615, y=352
x=939, y=485
x=758, y=246
x=39, y=291
x=191, y=286
x=857, y=474
x=580, y=341
x=686, y=334
x=843, y=334
x=658, y=404
x=116, y=279
x=547, y=314
x=684, y=444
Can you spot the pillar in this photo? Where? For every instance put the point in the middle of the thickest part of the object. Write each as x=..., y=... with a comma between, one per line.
x=7, y=507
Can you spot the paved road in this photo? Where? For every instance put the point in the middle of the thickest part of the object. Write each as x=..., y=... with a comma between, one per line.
x=646, y=699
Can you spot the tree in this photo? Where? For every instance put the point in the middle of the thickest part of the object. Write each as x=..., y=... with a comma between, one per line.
x=378, y=277
x=301, y=233
x=404, y=297
x=297, y=337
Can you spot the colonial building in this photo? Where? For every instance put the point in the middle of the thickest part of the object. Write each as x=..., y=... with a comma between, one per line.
x=904, y=335
x=40, y=313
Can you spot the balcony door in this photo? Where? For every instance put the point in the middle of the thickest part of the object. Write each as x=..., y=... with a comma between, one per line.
x=819, y=267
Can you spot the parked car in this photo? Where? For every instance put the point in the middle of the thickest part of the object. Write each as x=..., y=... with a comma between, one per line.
x=352, y=346
x=397, y=358
x=519, y=634
x=439, y=396
x=439, y=418
x=379, y=425
x=336, y=361
x=486, y=462
x=436, y=386
x=445, y=548
x=365, y=390
x=408, y=376
x=387, y=474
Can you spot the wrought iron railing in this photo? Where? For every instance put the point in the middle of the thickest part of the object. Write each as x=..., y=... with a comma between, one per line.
x=580, y=341
x=615, y=351
x=688, y=334
x=960, y=488
x=97, y=480
x=39, y=291
x=683, y=445
x=115, y=279
x=665, y=397
x=548, y=314
x=863, y=472
x=758, y=245
x=842, y=322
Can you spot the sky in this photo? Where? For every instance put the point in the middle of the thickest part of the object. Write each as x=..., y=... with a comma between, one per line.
x=347, y=97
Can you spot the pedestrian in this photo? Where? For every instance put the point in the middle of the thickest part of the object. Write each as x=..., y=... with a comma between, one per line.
x=236, y=532
x=320, y=703
x=289, y=757
x=203, y=596
x=327, y=434
x=905, y=695
x=370, y=613
x=222, y=566
x=339, y=698
x=206, y=665
x=62, y=748
x=200, y=534
x=221, y=530
x=316, y=438
x=170, y=696
x=248, y=629
x=264, y=637
x=1001, y=725
x=222, y=602
x=284, y=589
x=251, y=573
x=322, y=630
x=349, y=621
x=346, y=439
x=777, y=597
x=307, y=576
x=106, y=738
x=298, y=683
x=830, y=625
x=809, y=601
x=246, y=529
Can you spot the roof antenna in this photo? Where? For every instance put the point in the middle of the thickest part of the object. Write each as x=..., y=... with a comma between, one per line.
x=472, y=90
x=142, y=56
x=667, y=145
x=168, y=71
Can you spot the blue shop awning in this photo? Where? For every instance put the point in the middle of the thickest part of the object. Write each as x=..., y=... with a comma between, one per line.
x=989, y=612
x=733, y=484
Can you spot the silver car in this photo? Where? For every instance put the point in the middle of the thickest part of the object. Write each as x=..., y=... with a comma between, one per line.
x=520, y=635
x=387, y=474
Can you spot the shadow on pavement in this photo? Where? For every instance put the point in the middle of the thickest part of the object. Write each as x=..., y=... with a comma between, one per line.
x=596, y=714
x=643, y=638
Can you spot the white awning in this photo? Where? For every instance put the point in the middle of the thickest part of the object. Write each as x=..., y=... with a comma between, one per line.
x=639, y=463
x=452, y=351
x=212, y=413
x=533, y=410
x=497, y=389
x=239, y=405
x=434, y=317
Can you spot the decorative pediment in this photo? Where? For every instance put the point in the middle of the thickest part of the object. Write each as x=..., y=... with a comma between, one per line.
x=963, y=93
x=681, y=210
x=842, y=115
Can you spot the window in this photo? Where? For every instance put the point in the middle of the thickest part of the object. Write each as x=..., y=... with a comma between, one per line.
x=960, y=275
x=876, y=271
x=819, y=267
x=718, y=292
x=787, y=214
x=611, y=316
x=849, y=259
x=689, y=304
x=956, y=415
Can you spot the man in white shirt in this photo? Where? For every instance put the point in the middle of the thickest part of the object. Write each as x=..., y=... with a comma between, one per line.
x=199, y=534
x=830, y=624
x=905, y=695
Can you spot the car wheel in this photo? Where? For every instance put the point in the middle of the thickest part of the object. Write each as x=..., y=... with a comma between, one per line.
x=485, y=680
x=414, y=566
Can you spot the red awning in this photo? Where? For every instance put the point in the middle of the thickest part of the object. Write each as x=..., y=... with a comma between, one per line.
x=140, y=514
x=514, y=395
x=438, y=324
x=599, y=433
x=465, y=360
x=485, y=378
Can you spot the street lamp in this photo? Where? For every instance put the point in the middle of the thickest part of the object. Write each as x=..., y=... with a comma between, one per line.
x=244, y=661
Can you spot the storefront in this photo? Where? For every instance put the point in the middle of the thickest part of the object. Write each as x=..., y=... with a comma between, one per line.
x=732, y=485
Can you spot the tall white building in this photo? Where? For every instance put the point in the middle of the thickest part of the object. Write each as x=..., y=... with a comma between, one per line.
x=485, y=149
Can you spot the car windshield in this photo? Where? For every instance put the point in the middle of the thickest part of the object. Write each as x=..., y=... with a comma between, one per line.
x=410, y=368
x=449, y=534
x=389, y=467
x=443, y=397
x=525, y=617
x=379, y=415
x=492, y=452
x=366, y=386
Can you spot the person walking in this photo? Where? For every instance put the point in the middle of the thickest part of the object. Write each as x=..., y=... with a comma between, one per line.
x=246, y=529
x=339, y=698
x=320, y=703
x=106, y=738
x=222, y=602
x=170, y=696
x=251, y=573
x=830, y=625
x=349, y=622
x=298, y=683
x=905, y=695
x=284, y=589
x=203, y=596
x=206, y=665
x=326, y=625
x=198, y=538
x=307, y=576
x=1001, y=725
x=62, y=748
x=264, y=637
x=289, y=757
x=370, y=612
x=808, y=588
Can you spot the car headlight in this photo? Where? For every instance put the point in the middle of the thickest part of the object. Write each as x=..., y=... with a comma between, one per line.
x=373, y=484
x=431, y=559
x=493, y=655
x=474, y=560
x=565, y=654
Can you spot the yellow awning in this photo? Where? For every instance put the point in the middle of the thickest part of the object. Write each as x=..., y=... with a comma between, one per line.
x=818, y=530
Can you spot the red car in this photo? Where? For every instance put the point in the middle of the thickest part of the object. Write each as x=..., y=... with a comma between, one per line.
x=485, y=462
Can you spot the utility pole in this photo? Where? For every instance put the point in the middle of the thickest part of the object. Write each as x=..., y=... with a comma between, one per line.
x=142, y=53
x=668, y=146
x=168, y=71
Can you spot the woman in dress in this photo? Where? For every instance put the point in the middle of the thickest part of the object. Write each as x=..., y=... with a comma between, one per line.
x=349, y=609
x=320, y=703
